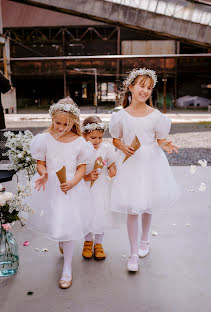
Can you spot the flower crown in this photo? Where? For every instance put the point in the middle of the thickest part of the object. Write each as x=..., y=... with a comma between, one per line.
x=140, y=72
x=94, y=126
x=68, y=108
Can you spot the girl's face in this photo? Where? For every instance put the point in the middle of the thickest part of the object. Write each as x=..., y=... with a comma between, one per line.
x=142, y=89
x=61, y=123
x=95, y=137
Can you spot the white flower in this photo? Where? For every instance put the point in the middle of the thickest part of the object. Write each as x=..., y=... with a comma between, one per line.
x=203, y=163
x=94, y=126
x=140, y=72
x=69, y=108
x=202, y=187
x=8, y=195
x=20, y=155
x=2, y=200
x=193, y=169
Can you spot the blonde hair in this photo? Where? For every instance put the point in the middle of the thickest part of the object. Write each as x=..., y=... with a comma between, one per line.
x=126, y=93
x=70, y=117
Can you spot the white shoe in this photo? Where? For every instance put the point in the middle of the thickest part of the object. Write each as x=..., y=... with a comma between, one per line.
x=132, y=265
x=143, y=252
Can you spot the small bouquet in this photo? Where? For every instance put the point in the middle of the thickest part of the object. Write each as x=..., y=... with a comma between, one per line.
x=61, y=174
x=19, y=151
x=99, y=164
x=14, y=206
x=135, y=144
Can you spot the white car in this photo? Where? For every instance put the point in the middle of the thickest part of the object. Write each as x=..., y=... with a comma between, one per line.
x=192, y=102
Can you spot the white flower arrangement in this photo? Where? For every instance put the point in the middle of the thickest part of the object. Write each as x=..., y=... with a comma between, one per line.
x=68, y=108
x=140, y=72
x=19, y=151
x=94, y=126
x=14, y=206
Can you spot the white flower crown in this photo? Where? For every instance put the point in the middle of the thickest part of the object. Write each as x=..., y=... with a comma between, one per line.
x=68, y=108
x=140, y=72
x=94, y=126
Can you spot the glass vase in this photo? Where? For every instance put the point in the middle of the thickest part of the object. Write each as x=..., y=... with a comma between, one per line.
x=9, y=258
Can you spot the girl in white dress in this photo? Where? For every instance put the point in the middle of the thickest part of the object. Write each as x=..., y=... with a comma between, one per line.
x=99, y=186
x=61, y=210
x=144, y=181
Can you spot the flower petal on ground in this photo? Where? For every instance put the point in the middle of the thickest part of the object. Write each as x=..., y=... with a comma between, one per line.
x=203, y=162
x=193, y=169
x=26, y=243
x=202, y=187
x=155, y=233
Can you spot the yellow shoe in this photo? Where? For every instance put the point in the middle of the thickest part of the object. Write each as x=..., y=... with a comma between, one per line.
x=87, y=250
x=99, y=252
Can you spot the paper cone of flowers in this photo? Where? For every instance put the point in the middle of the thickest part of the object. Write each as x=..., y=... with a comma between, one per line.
x=98, y=165
x=135, y=144
x=61, y=174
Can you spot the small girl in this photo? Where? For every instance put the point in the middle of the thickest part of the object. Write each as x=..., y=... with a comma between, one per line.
x=61, y=210
x=144, y=182
x=98, y=183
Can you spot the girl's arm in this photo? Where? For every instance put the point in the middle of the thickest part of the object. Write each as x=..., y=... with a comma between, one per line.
x=126, y=149
x=42, y=170
x=167, y=146
x=112, y=170
x=80, y=172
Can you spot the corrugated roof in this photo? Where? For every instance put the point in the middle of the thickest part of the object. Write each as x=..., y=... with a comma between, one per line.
x=21, y=15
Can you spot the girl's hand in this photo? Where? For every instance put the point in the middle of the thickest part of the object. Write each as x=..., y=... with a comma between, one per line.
x=94, y=175
x=112, y=170
x=67, y=186
x=168, y=146
x=41, y=181
x=128, y=150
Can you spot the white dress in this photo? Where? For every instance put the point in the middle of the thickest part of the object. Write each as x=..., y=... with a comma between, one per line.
x=144, y=181
x=60, y=216
x=100, y=212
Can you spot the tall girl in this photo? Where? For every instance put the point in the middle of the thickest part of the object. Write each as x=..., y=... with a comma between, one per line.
x=93, y=130
x=61, y=210
x=144, y=182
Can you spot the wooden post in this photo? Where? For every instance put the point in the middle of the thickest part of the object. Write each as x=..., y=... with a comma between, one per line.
x=164, y=87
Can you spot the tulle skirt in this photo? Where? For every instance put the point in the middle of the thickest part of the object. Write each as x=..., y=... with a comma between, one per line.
x=143, y=182
x=60, y=216
x=102, y=218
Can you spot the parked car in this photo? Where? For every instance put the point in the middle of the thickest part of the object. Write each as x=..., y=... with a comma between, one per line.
x=192, y=102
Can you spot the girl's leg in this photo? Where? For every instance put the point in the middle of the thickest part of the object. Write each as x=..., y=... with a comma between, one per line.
x=132, y=227
x=99, y=238
x=88, y=237
x=146, y=222
x=68, y=248
x=99, y=253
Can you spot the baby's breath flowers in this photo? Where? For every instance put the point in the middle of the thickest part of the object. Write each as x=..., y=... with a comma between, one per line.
x=19, y=151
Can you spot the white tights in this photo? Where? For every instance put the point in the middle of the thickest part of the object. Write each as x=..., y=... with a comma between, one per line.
x=68, y=248
x=98, y=238
x=132, y=227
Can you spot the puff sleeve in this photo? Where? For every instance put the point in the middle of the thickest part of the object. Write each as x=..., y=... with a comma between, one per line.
x=162, y=127
x=38, y=147
x=110, y=154
x=115, y=126
x=86, y=153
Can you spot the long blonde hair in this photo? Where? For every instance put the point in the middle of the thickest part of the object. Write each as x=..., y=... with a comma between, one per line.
x=70, y=117
x=126, y=93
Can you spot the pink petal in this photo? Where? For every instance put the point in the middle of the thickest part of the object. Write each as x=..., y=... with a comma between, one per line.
x=26, y=243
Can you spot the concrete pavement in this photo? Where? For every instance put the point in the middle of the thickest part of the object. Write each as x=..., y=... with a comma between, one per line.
x=43, y=120
x=175, y=276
